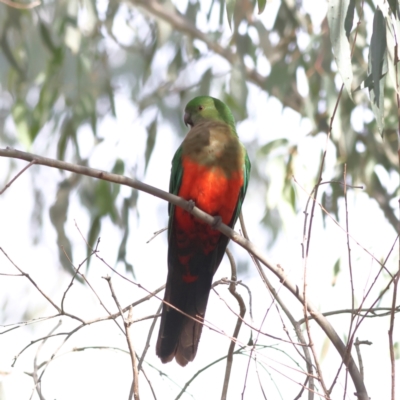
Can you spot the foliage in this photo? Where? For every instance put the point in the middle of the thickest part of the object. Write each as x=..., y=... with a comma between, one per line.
x=63, y=64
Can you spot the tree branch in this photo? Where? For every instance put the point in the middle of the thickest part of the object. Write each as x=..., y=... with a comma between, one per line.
x=226, y=230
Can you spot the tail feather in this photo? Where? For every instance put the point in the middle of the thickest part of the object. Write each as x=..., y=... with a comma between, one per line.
x=179, y=335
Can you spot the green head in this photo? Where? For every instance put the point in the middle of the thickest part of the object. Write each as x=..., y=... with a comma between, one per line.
x=206, y=108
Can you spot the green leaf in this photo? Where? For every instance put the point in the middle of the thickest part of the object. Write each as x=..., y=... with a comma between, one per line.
x=337, y=12
x=47, y=37
x=280, y=78
x=261, y=5
x=289, y=194
x=245, y=45
x=205, y=82
x=151, y=140
x=66, y=131
x=110, y=94
x=396, y=350
x=93, y=235
x=368, y=82
x=58, y=216
x=377, y=108
x=43, y=109
x=336, y=270
x=230, y=9
x=103, y=198
x=119, y=167
x=394, y=7
x=175, y=65
x=273, y=220
x=21, y=118
x=377, y=67
x=267, y=148
x=392, y=32
x=192, y=10
x=377, y=51
x=237, y=98
x=348, y=22
x=9, y=55
x=125, y=224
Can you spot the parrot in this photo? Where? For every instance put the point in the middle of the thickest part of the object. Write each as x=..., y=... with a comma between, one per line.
x=211, y=170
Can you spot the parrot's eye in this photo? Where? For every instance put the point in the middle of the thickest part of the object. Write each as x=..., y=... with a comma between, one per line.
x=201, y=108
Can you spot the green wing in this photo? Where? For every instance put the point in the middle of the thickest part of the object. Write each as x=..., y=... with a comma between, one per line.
x=175, y=183
x=242, y=194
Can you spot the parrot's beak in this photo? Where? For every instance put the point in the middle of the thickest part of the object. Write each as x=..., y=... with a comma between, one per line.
x=187, y=119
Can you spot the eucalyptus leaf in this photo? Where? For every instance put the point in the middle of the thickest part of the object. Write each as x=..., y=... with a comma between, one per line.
x=337, y=13
x=261, y=5
x=21, y=117
x=348, y=22
x=336, y=270
x=58, y=216
x=377, y=104
x=93, y=235
x=394, y=7
x=378, y=54
x=393, y=32
x=274, y=144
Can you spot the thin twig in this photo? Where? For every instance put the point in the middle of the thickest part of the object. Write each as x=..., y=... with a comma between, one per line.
x=11, y=274
x=77, y=271
x=357, y=344
x=127, y=323
x=147, y=345
x=302, y=389
x=242, y=307
x=369, y=312
x=311, y=198
x=92, y=289
x=258, y=330
x=353, y=316
x=286, y=310
x=19, y=173
x=150, y=385
x=322, y=166
x=135, y=383
x=258, y=377
x=238, y=351
x=36, y=379
x=156, y=234
x=32, y=281
x=361, y=317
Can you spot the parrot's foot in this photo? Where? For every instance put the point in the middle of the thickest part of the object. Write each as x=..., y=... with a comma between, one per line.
x=217, y=222
x=190, y=206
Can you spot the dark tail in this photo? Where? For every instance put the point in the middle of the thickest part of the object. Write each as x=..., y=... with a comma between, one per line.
x=179, y=335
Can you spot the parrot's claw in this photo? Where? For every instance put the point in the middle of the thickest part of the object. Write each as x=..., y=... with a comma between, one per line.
x=217, y=222
x=190, y=205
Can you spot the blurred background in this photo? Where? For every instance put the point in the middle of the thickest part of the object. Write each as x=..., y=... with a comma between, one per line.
x=104, y=84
